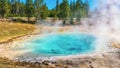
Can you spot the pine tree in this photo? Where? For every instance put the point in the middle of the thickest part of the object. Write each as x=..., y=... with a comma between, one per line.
x=1, y=4
x=72, y=9
x=29, y=9
x=17, y=7
x=5, y=8
x=64, y=10
x=44, y=13
x=13, y=10
x=86, y=8
x=52, y=13
x=22, y=9
x=79, y=9
x=57, y=9
x=38, y=10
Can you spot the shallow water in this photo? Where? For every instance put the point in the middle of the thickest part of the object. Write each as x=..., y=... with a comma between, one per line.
x=59, y=44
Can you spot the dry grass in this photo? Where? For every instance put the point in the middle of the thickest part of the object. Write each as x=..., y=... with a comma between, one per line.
x=11, y=30
x=117, y=45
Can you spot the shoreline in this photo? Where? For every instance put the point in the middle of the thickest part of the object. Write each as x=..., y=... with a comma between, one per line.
x=20, y=38
x=61, y=59
x=37, y=58
x=17, y=37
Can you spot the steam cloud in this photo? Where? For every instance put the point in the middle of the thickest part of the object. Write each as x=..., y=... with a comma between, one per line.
x=104, y=23
x=107, y=23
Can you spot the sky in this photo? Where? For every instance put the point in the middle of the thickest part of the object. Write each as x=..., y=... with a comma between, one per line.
x=52, y=3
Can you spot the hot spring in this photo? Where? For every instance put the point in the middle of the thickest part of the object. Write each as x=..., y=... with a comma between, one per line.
x=61, y=44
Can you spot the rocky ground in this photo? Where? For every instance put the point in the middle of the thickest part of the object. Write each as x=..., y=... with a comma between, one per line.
x=103, y=60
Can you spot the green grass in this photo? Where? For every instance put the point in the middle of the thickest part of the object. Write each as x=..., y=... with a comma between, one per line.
x=11, y=30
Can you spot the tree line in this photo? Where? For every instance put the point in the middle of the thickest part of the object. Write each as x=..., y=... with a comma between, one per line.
x=39, y=9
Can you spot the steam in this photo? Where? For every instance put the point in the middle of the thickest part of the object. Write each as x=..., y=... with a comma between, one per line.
x=104, y=23
x=107, y=22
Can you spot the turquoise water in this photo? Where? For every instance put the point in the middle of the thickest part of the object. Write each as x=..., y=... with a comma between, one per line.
x=61, y=44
